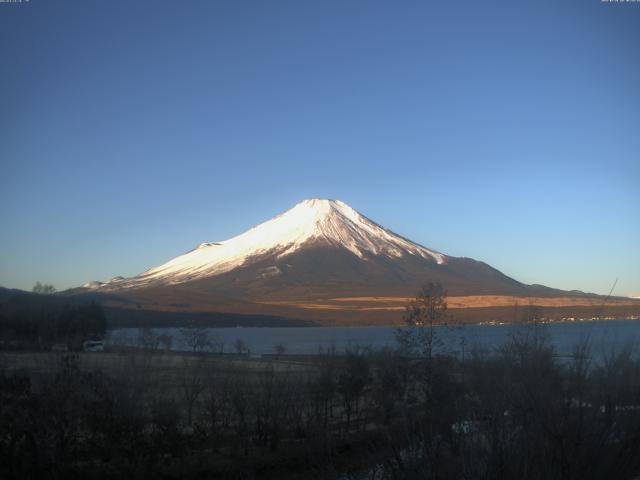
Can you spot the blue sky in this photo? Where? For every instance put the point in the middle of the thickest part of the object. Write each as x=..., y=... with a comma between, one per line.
x=131, y=131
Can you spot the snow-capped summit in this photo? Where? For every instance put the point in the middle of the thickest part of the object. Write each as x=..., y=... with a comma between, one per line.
x=320, y=260
x=314, y=221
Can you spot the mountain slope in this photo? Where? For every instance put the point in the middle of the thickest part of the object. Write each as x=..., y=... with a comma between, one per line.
x=310, y=223
x=310, y=262
x=318, y=247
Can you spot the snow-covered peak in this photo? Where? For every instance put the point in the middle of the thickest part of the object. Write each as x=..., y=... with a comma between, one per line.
x=310, y=221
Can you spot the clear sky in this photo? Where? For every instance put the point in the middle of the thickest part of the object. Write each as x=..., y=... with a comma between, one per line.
x=131, y=131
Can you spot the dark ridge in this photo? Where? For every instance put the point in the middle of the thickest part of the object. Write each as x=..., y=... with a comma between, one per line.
x=6, y=293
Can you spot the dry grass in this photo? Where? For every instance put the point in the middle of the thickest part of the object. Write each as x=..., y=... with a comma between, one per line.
x=471, y=301
x=161, y=368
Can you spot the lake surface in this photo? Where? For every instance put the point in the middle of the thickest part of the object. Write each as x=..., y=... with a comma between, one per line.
x=604, y=337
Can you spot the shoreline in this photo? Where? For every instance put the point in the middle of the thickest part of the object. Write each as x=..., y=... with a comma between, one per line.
x=542, y=321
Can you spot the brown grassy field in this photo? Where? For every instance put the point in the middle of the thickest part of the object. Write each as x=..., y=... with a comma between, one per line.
x=470, y=301
x=389, y=310
x=467, y=309
x=167, y=369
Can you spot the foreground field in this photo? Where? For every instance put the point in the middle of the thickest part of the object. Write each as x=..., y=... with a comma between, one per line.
x=168, y=367
x=519, y=413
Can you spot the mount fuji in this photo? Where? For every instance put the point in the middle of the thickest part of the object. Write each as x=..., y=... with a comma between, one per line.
x=319, y=260
x=316, y=242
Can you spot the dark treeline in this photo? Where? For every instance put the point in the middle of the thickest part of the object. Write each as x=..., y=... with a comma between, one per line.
x=517, y=413
x=140, y=318
x=39, y=321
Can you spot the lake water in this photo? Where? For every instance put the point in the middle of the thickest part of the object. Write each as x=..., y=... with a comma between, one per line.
x=604, y=336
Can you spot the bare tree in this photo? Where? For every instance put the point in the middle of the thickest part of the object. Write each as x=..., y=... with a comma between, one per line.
x=217, y=344
x=45, y=288
x=324, y=387
x=426, y=310
x=240, y=346
x=351, y=383
x=196, y=338
x=192, y=386
x=423, y=313
x=216, y=402
x=240, y=403
x=391, y=382
x=148, y=339
x=280, y=349
x=166, y=341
